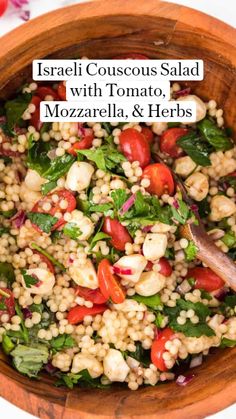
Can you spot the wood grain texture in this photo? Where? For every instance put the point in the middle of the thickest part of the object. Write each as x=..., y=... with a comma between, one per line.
x=102, y=30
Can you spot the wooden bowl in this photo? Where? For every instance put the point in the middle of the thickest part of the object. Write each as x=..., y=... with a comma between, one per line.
x=100, y=30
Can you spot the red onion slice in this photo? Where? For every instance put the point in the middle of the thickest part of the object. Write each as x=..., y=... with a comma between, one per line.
x=183, y=381
x=27, y=313
x=18, y=219
x=128, y=204
x=182, y=92
x=122, y=271
x=146, y=229
x=196, y=361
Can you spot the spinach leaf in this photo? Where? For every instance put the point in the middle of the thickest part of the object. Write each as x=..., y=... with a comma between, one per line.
x=214, y=135
x=29, y=279
x=37, y=158
x=48, y=187
x=227, y=343
x=7, y=273
x=8, y=214
x=83, y=378
x=191, y=251
x=107, y=126
x=48, y=256
x=29, y=360
x=97, y=156
x=61, y=342
x=197, y=148
x=99, y=236
x=106, y=157
x=44, y=221
x=15, y=109
x=104, y=208
x=72, y=230
x=153, y=302
x=182, y=213
x=203, y=208
x=232, y=253
x=229, y=180
x=230, y=300
x=140, y=354
x=58, y=167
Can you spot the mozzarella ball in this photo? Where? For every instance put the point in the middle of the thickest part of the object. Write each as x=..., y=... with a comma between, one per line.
x=33, y=180
x=197, y=185
x=83, y=223
x=84, y=275
x=79, y=176
x=200, y=106
x=221, y=207
x=150, y=283
x=46, y=281
x=115, y=367
x=183, y=166
x=154, y=246
x=136, y=263
x=87, y=362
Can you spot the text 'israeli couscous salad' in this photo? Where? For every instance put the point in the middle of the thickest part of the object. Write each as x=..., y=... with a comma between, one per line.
x=97, y=284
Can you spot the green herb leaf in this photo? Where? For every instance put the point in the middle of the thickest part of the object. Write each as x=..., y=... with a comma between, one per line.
x=97, y=156
x=229, y=239
x=8, y=214
x=48, y=187
x=203, y=208
x=140, y=354
x=196, y=147
x=30, y=360
x=23, y=333
x=29, y=279
x=4, y=230
x=99, y=236
x=58, y=167
x=83, y=378
x=192, y=330
x=227, y=343
x=7, y=273
x=44, y=221
x=106, y=158
x=2, y=304
x=7, y=344
x=230, y=301
x=153, y=302
x=104, y=208
x=37, y=158
x=48, y=255
x=191, y=251
x=182, y=213
x=229, y=181
x=72, y=230
x=214, y=135
x=15, y=109
x=62, y=342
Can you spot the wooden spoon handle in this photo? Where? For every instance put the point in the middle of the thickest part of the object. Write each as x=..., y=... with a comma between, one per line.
x=210, y=254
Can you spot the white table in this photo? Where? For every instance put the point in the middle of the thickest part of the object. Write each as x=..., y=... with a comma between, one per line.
x=222, y=9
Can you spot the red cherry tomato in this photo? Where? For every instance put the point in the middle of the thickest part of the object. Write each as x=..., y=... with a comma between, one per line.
x=91, y=295
x=168, y=141
x=3, y=6
x=205, y=279
x=61, y=90
x=63, y=194
x=45, y=260
x=119, y=234
x=35, y=101
x=158, y=348
x=78, y=313
x=84, y=143
x=43, y=91
x=166, y=269
x=108, y=283
x=148, y=134
x=7, y=299
x=161, y=179
x=35, y=120
x=135, y=147
x=131, y=56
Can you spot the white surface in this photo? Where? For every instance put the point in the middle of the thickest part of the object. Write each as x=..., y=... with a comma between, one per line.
x=224, y=10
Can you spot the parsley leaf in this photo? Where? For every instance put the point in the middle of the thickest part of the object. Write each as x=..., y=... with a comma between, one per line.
x=83, y=378
x=140, y=354
x=29, y=279
x=182, y=213
x=29, y=360
x=2, y=304
x=99, y=236
x=4, y=230
x=7, y=273
x=48, y=187
x=62, y=342
x=72, y=230
x=44, y=221
x=227, y=343
x=191, y=251
x=106, y=158
x=229, y=181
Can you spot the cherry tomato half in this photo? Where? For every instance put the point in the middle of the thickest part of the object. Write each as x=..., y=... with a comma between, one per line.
x=161, y=179
x=78, y=313
x=43, y=91
x=205, y=279
x=165, y=267
x=148, y=134
x=7, y=300
x=61, y=90
x=119, y=234
x=131, y=56
x=84, y=143
x=108, y=283
x=135, y=147
x=45, y=260
x=62, y=194
x=35, y=116
x=91, y=295
x=158, y=348
x=3, y=6
x=168, y=141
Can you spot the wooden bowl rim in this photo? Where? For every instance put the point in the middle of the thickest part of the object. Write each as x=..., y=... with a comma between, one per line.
x=81, y=12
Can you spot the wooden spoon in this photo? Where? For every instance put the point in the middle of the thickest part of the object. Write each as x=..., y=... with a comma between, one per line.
x=208, y=253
